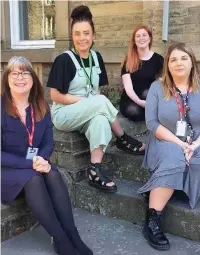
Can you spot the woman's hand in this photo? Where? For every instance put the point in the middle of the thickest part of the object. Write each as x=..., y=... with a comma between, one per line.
x=41, y=165
x=185, y=146
x=142, y=103
x=189, y=152
x=188, y=155
x=65, y=99
x=194, y=145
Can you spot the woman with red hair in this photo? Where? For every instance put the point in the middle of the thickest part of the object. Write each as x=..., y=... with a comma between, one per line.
x=140, y=68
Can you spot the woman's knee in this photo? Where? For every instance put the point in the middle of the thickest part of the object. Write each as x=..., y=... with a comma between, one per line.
x=99, y=120
x=52, y=175
x=36, y=179
x=133, y=112
x=34, y=183
x=99, y=126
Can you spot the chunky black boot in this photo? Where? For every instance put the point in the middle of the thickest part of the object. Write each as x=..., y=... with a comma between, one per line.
x=153, y=232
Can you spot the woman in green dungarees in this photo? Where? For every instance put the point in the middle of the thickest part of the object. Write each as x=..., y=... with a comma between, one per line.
x=75, y=78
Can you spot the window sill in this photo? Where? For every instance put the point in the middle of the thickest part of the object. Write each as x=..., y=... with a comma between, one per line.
x=34, y=55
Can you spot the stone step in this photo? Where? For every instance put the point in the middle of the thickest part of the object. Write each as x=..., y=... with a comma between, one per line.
x=104, y=235
x=130, y=127
x=125, y=166
x=69, y=141
x=15, y=219
x=74, y=161
x=126, y=204
x=71, y=150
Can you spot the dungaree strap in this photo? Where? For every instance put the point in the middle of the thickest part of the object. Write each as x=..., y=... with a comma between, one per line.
x=75, y=61
x=94, y=56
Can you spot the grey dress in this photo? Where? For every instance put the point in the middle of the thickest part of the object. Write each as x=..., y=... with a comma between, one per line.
x=166, y=160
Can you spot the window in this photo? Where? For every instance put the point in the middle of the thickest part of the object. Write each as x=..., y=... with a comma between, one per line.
x=49, y=27
x=32, y=24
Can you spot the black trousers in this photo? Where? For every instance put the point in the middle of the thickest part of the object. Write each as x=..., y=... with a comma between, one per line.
x=130, y=109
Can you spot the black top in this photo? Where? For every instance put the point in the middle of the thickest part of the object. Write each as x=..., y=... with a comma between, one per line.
x=146, y=74
x=63, y=72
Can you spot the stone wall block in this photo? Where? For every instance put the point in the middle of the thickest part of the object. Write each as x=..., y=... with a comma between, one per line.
x=178, y=12
x=69, y=141
x=73, y=161
x=15, y=219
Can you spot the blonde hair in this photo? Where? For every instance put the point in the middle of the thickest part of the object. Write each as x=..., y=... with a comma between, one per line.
x=36, y=96
x=132, y=59
x=167, y=79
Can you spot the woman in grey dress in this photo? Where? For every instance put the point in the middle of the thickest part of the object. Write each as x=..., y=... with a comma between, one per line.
x=173, y=147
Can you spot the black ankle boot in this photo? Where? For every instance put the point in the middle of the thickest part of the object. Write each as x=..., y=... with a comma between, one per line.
x=153, y=232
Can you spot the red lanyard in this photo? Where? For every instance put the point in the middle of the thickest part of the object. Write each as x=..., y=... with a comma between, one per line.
x=181, y=107
x=30, y=134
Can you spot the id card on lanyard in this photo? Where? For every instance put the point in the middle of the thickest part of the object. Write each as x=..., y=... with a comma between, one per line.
x=182, y=126
x=31, y=151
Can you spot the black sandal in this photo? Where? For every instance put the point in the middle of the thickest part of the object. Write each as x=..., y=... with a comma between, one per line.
x=129, y=144
x=98, y=180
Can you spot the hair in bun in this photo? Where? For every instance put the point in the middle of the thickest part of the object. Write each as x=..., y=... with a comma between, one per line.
x=82, y=13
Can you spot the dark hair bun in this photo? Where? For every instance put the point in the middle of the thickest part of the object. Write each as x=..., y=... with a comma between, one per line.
x=81, y=12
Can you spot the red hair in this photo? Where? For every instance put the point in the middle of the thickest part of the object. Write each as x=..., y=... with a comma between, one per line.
x=132, y=59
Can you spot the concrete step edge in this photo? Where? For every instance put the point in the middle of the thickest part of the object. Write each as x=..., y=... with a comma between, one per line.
x=126, y=204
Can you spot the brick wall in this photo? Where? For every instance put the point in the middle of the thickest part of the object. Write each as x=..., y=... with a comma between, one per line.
x=115, y=21
x=184, y=22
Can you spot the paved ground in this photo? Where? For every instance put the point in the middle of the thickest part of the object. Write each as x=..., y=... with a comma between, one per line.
x=106, y=236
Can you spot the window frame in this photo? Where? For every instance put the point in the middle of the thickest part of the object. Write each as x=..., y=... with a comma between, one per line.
x=16, y=43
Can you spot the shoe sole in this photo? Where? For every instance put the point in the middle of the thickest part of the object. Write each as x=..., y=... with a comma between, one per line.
x=159, y=248
x=112, y=189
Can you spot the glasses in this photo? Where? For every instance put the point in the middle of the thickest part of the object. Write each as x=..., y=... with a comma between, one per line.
x=15, y=74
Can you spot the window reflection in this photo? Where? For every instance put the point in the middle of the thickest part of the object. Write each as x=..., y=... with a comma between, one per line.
x=37, y=20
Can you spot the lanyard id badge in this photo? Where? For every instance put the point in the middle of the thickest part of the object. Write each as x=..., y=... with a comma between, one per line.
x=31, y=153
x=181, y=129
